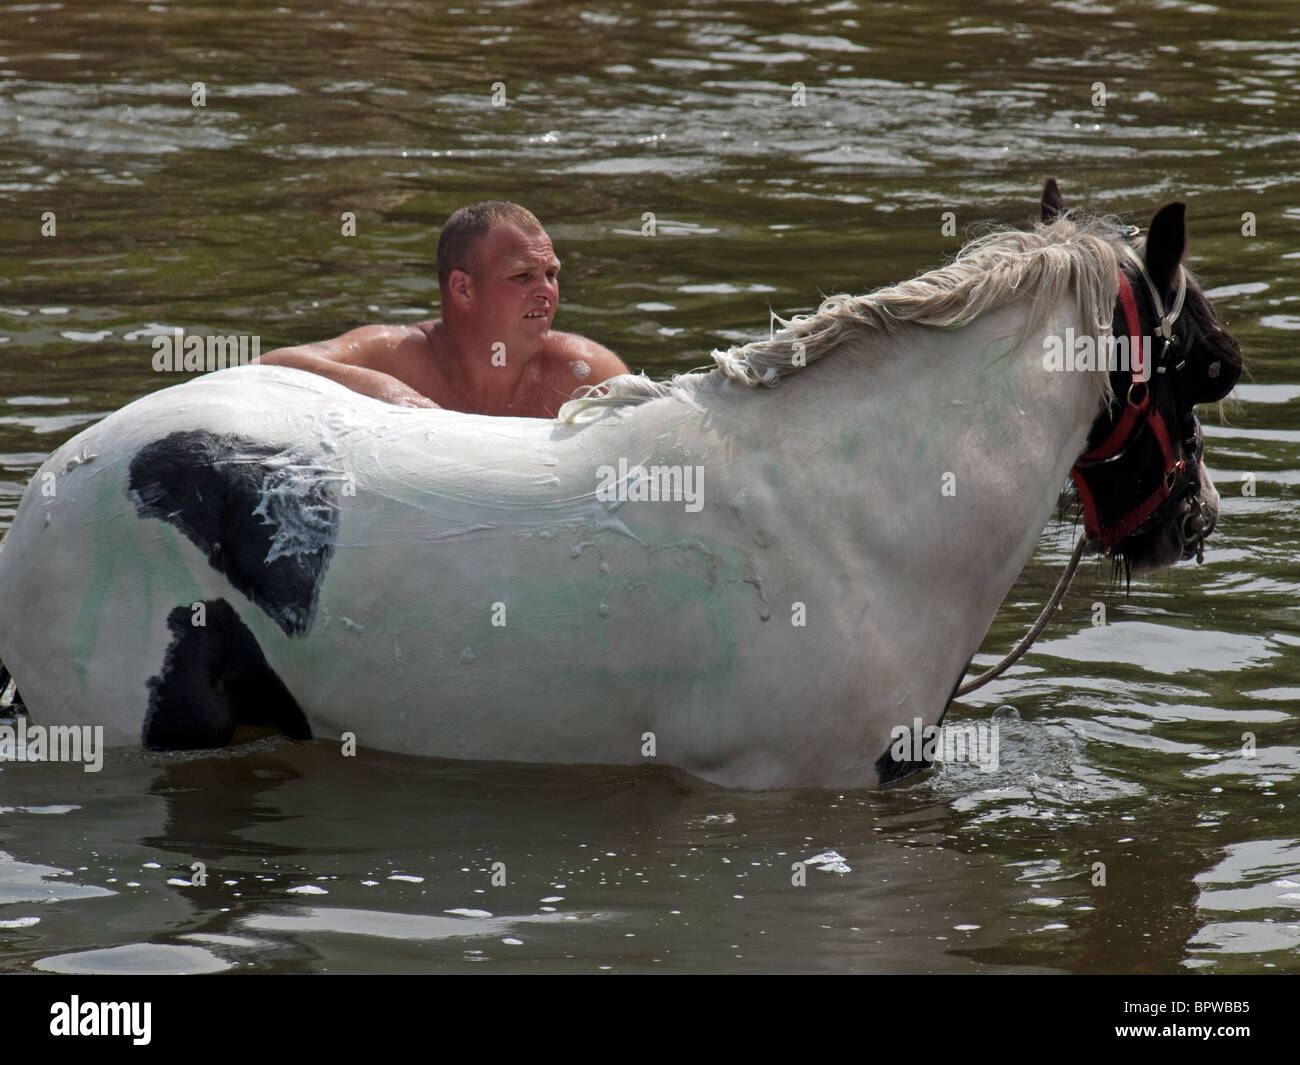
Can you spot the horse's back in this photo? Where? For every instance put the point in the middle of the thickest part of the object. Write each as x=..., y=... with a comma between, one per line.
x=200, y=521
x=261, y=532
x=263, y=546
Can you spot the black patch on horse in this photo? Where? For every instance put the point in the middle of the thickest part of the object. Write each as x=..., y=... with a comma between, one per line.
x=215, y=678
x=241, y=502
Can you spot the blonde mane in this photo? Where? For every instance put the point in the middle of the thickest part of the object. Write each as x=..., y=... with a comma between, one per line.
x=1041, y=267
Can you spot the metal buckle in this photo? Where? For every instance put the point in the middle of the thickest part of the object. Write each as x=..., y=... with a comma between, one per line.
x=1171, y=478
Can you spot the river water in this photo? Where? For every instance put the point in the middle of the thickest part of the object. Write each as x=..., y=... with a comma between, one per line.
x=1120, y=745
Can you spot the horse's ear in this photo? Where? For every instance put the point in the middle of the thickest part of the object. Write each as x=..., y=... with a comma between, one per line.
x=1053, y=202
x=1166, y=242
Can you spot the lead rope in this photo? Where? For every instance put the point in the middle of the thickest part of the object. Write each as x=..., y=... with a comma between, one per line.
x=1039, y=625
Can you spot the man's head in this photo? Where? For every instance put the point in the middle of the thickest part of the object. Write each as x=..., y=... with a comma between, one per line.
x=498, y=271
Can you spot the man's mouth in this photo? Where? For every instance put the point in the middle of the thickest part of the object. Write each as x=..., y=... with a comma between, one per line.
x=537, y=314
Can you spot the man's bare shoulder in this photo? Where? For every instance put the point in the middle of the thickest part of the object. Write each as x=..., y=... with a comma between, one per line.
x=583, y=360
x=375, y=346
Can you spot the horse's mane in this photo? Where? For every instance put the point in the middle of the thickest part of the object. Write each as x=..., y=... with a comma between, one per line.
x=1075, y=253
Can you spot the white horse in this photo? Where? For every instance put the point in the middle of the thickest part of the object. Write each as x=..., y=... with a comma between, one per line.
x=841, y=510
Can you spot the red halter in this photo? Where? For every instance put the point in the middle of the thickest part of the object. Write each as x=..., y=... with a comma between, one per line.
x=1136, y=413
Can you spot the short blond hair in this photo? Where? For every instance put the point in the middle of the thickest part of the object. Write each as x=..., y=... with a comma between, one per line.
x=467, y=226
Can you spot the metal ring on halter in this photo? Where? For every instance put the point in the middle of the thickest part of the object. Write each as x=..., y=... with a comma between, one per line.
x=1194, y=539
x=1138, y=384
x=1171, y=478
x=1198, y=512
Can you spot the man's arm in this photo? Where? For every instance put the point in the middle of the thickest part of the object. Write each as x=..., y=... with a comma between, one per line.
x=351, y=360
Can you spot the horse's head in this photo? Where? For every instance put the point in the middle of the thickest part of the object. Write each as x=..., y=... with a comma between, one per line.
x=1147, y=497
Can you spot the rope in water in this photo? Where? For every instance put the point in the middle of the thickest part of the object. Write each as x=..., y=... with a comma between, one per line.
x=1039, y=625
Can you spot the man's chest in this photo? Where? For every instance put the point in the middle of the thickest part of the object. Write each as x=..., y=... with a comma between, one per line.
x=523, y=396
x=520, y=392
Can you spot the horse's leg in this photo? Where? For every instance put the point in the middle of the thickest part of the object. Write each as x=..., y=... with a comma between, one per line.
x=215, y=678
x=16, y=703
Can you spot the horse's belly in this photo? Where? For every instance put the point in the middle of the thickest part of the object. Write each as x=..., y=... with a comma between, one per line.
x=558, y=642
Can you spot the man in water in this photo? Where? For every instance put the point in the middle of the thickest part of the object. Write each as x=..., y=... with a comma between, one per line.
x=493, y=351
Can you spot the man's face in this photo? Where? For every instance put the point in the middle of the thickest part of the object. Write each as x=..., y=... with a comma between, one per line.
x=516, y=287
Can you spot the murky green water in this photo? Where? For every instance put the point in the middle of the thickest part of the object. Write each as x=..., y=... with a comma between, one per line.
x=1125, y=744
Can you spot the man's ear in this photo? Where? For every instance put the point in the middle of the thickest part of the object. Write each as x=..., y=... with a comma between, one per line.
x=1166, y=242
x=1053, y=202
x=460, y=288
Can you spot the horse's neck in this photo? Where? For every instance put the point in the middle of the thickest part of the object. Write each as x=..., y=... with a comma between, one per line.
x=944, y=457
